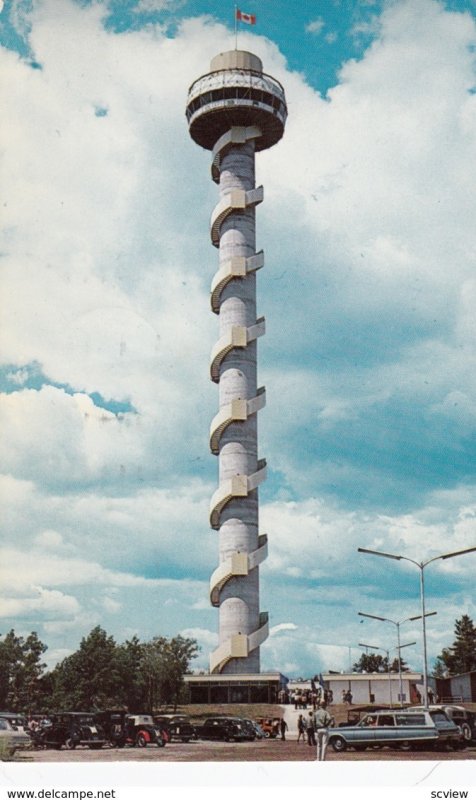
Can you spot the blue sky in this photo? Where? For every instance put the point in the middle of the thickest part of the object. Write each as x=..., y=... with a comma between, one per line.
x=369, y=293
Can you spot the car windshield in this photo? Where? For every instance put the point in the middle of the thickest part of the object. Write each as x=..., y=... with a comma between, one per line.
x=86, y=719
x=440, y=719
x=15, y=722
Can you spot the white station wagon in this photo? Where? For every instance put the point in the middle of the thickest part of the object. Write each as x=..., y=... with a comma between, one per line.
x=401, y=729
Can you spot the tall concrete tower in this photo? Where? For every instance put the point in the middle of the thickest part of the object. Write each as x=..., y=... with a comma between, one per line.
x=234, y=111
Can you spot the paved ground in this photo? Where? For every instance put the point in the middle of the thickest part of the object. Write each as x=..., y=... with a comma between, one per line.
x=265, y=750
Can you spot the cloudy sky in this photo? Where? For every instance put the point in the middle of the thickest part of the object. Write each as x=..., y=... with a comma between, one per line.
x=369, y=293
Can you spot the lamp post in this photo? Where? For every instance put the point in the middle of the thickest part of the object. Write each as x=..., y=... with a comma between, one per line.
x=387, y=653
x=397, y=625
x=421, y=566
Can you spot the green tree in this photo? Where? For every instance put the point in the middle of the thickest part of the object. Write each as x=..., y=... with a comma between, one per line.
x=132, y=684
x=370, y=662
x=164, y=664
x=89, y=678
x=461, y=656
x=179, y=652
x=403, y=665
x=21, y=669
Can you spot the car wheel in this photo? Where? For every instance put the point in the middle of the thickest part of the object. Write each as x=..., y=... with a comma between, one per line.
x=466, y=731
x=160, y=742
x=70, y=744
x=141, y=741
x=339, y=744
x=404, y=746
x=266, y=735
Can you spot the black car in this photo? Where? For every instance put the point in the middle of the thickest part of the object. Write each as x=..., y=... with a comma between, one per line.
x=178, y=727
x=70, y=729
x=113, y=723
x=227, y=729
x=250, y=730
x=137, y=730
x=460, y=716
x=141, y=730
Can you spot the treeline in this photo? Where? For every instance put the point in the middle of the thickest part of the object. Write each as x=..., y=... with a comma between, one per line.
x=137, y=676
x=371, y=662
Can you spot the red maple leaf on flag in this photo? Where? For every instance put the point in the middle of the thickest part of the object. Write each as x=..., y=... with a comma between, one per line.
x=250, y=19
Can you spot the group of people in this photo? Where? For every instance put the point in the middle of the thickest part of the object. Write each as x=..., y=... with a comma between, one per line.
x=35, y=723
x=311, y=697
x=347, y=697
x=314, y=727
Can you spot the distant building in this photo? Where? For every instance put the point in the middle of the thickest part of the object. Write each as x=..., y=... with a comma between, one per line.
x=460, y=688
x=368, y=688
x=252, y=688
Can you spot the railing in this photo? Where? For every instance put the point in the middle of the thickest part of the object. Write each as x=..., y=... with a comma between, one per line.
x=235, y=77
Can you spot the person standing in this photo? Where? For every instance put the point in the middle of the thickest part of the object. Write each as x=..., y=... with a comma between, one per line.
x=301, y=729
x=283, y=726
x=323, y=722
x=310, y=729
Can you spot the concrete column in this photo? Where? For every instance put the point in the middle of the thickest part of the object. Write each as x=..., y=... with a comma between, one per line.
x=239, y=598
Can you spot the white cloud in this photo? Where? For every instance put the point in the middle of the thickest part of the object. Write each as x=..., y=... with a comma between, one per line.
x=49, y=539
x=315, y=26
x=283, y=626
x=42, y=602
x=150, y=6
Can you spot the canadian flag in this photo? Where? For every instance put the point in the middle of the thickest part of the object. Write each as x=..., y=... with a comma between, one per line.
x=250, y=19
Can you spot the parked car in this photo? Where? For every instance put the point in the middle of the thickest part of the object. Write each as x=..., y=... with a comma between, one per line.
x=260, y=734
x=250, y=730
x=18, y=721
x=460, y=716
x=15, y=737
x=113, y=724
x=70, y=728
x=137, y=730
x=141, y=730
x=269, y=725
x=178, y=726
x=225, y=728
x=402, y=729
x=356, y=713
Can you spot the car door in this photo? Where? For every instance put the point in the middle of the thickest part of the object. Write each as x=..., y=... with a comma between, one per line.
x=363, y=733
x=385, y=731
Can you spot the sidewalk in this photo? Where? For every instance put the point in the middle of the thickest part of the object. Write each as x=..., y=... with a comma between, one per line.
x=291, y=715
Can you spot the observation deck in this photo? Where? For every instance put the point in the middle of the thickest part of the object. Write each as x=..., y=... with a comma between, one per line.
x=236, y=93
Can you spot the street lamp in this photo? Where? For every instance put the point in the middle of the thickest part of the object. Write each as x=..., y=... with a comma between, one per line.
x=387, y=652
x=421, y=566
x=397, y=624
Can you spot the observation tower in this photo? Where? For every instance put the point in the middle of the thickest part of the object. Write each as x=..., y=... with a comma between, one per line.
x=236, y=110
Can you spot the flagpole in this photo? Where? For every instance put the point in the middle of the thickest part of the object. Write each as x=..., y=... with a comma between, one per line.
x=236, y=27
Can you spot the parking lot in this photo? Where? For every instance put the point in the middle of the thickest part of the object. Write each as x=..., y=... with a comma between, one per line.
x=265, y=750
